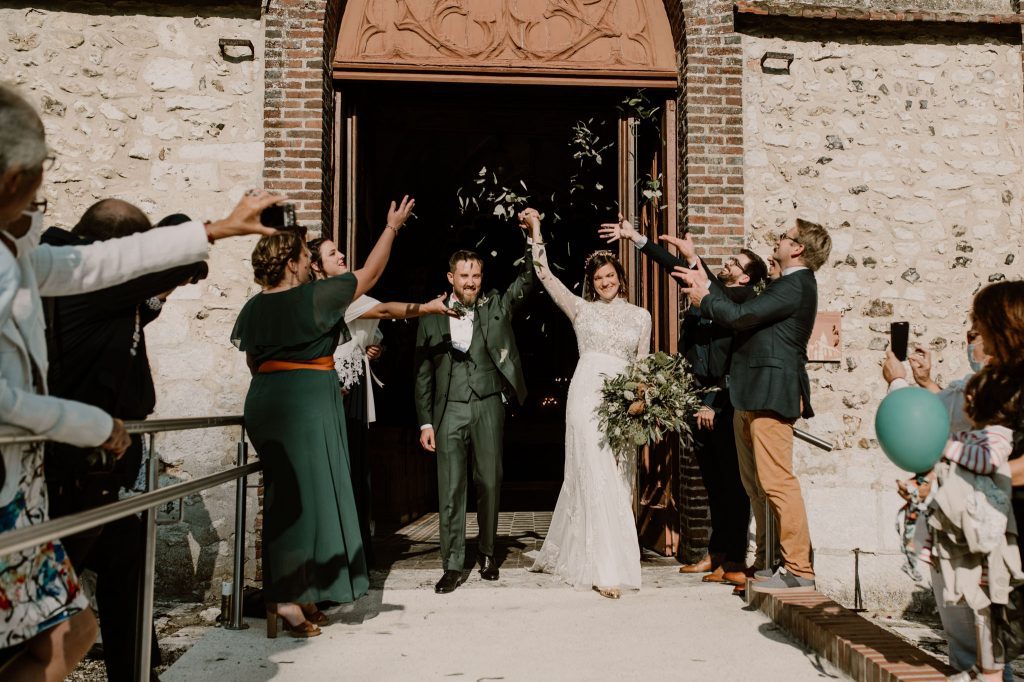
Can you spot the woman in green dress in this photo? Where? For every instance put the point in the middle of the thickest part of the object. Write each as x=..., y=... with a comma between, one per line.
x=312, y=549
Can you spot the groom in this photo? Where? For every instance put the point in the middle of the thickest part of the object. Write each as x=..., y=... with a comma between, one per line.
x=464, y=369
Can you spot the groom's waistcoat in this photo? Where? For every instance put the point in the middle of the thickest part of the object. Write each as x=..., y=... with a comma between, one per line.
x=474, y=374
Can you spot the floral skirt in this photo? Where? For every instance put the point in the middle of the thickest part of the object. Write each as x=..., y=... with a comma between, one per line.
x=38, y=587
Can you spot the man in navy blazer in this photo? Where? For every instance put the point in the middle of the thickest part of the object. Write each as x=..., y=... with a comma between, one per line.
x=769, y=389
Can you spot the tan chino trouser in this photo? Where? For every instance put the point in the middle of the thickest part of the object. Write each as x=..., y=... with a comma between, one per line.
x=764, y=445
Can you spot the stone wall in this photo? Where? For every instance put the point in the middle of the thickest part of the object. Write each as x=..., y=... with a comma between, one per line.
x=144, y=108
x=908, y=147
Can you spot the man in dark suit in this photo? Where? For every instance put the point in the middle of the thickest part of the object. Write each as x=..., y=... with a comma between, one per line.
x=464, y=369
x=707, y=346
x=770, y=389
x=97, y=346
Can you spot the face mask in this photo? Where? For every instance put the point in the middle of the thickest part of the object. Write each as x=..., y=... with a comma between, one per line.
x=30, y=240
x=976, y=365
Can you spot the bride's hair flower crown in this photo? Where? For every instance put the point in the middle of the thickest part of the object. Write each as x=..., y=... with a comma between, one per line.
x=603, y=254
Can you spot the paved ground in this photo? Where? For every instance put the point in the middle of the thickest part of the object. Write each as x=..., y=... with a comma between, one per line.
x=527, y=626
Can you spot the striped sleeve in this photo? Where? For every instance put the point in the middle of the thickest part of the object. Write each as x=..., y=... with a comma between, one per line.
x=982, y=450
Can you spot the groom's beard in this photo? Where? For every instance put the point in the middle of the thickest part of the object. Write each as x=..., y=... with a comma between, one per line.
x=467, y=298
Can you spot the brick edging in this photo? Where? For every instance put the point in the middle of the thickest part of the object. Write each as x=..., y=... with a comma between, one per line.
x=856, y=646
x=823, y=11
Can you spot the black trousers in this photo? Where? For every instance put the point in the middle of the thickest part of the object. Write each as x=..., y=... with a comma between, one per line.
x=730, y=507
x=114, y=554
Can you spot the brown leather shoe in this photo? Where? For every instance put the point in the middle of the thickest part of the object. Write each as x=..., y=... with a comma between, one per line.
x=715, y=576
x=737, y=577
x=702, y=566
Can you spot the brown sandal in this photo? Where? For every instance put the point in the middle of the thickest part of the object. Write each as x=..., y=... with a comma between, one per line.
x=302, y=630
x=609, y=592
x=314, y=615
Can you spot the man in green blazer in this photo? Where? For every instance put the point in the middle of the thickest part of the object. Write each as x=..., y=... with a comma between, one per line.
x=466, y=369
x=769, y=389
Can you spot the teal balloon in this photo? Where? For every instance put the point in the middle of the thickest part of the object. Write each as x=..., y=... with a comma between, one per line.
x=912, y=426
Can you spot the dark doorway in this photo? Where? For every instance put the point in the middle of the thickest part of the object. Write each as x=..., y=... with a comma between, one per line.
x=445, y=145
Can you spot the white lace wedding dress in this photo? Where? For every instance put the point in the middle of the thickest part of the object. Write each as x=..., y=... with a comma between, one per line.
x=592, y=540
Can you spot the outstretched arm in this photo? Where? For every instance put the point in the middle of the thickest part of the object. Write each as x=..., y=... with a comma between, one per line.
x=567, y=301
x=373, y=268
x=522, y=286
x=403, y=311
x=780, y=300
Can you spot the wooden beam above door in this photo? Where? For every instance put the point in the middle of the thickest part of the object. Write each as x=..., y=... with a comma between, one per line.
x=622, y=43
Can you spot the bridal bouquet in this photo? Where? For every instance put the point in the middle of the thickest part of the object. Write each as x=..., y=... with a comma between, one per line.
x=653, y=396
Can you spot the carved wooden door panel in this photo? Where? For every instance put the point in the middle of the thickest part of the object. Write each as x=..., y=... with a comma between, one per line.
x=647, y=193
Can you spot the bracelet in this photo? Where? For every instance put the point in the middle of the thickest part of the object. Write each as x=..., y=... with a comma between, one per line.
x=392, y=227
x=206, y=226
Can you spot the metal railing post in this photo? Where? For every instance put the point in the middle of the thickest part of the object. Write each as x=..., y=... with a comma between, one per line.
x=236, y=622
x=144, y=627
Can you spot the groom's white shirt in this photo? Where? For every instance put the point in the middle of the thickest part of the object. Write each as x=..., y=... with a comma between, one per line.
x=461, y=328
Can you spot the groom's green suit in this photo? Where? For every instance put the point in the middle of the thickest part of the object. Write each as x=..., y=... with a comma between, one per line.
x=459, y=394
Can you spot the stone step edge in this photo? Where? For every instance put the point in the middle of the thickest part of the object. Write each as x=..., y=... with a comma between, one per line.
x=861, y=649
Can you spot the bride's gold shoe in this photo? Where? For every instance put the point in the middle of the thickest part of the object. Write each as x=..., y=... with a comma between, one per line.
x=609, y=592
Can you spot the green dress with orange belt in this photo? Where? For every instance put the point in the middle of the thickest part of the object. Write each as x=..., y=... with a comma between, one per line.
x=312, y=548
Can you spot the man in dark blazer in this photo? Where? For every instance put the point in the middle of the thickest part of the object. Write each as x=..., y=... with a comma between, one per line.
x=769, y=389
x=97, y=345
x=465, y=368
x=707, y=347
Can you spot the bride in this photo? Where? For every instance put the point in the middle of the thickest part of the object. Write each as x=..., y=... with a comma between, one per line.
x=592, y=541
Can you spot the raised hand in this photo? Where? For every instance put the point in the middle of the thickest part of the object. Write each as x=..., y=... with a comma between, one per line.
x=687, y=251
x=695, y=281
x=245, y=217
x=439, y=306
x=398, y=215
x=921, y=365
x=892, y=368
x=529, y=219
x=623, y=229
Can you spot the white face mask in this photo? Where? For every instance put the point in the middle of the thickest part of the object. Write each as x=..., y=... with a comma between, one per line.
x=30, y=240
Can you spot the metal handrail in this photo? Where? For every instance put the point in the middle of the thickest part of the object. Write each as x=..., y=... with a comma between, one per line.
x=33, y=536
x=140, y=427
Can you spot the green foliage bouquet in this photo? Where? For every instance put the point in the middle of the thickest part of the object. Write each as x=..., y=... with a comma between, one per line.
x=653, y=396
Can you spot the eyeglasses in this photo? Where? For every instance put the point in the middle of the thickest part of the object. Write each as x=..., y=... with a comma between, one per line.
x=734, y=263
x=785, y=235
x=38, y=206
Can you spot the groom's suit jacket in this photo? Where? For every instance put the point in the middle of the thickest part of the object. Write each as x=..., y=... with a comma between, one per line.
x=769, y=361
x=492, y=327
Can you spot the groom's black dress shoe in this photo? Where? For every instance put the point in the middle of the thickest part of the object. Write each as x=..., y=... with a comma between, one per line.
x=488, y=567
x=448, y=582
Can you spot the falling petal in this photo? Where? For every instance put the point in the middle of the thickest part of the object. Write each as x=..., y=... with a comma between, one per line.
x=494, y=254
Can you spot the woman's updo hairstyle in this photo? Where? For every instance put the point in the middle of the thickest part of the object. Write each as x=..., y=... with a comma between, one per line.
x=271, y=256
x=595, y=262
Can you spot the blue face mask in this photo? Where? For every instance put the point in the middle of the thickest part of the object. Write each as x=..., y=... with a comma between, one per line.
x=976, y=365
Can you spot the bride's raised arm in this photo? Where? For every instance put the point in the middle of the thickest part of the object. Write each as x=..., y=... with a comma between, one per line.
x=567, y=301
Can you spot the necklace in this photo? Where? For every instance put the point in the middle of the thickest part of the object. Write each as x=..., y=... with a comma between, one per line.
x=137, y=334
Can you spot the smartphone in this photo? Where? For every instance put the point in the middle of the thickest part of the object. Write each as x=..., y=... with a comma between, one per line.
x=899, y=336
x=278, y=215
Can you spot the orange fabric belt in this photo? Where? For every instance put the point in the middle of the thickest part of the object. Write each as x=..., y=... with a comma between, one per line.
x=324, y=363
